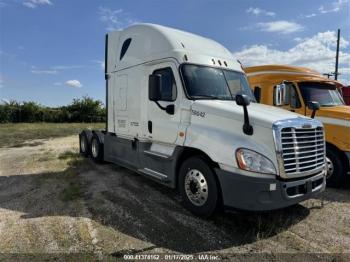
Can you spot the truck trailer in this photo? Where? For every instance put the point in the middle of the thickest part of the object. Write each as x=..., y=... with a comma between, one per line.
x=346, y=94
x=180, y=111
x=301, y=85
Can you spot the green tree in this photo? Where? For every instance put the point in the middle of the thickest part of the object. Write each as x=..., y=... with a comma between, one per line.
x=85, y=109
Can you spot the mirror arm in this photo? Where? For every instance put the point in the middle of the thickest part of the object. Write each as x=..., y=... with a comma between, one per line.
x=159, y=105
x=247, y=128
x=164, y=108
x=314, y=106
x=313, y=113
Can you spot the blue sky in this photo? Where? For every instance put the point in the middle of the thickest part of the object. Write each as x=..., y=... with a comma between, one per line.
x=52, y=51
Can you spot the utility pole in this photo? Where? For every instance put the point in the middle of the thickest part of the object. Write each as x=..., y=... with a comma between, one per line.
x=337, y=57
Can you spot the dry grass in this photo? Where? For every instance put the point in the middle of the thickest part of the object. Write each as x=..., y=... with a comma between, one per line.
x=22, y=134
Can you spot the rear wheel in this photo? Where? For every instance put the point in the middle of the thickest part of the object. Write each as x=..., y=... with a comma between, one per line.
x=198, y=188
x=96, y=149
x=335, y=168
x=83, y=144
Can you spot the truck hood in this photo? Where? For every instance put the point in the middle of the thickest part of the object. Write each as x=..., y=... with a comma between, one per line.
x=259, y=114
x=339, y=112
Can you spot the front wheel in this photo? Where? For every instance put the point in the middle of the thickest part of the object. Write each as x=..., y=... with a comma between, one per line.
x=198, y=187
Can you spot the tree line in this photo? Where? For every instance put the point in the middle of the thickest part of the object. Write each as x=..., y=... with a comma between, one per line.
x=85, y=109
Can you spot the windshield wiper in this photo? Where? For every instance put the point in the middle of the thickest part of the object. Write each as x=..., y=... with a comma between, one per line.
x=328, y=105
x=209, y=97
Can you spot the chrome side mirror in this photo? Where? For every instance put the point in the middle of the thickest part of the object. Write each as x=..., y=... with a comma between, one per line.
x=279, y=95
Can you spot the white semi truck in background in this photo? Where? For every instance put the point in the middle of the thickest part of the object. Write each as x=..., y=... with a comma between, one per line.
x=180, y=111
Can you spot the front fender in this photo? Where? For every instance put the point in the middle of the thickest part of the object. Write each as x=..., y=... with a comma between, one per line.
x=220, y=144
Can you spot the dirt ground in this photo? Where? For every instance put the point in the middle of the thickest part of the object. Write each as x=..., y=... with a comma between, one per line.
x=52, y=201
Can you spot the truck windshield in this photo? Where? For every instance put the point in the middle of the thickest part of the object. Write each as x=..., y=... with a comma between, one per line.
x=203, y=82
x=324, y=93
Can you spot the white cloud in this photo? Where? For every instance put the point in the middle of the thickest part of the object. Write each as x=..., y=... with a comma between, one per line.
x=74, y=83
x=298, y=39
x=35, y=3
x=29, y=4
x=64, y=67
x=335, y=6
x=310, y=15
x=101, y=63
x=344, y=81
x=316, y=52
x=281, y=26
x=44, y=72
x=115, y=19
x=54, y=69
x=258, y=11
x=323, y=10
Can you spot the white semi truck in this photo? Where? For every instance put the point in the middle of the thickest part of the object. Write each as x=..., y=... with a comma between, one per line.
x=180, y=111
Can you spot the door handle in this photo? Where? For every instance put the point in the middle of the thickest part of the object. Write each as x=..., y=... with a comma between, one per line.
x=150, y=126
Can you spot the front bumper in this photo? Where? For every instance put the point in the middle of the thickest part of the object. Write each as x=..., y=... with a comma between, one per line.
x=260, y=194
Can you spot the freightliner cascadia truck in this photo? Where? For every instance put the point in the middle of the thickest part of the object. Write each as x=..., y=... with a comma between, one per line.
x=180, y=111
x=300, y=86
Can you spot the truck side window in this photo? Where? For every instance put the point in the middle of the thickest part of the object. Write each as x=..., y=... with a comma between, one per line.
x=294, y=98
x=125, y=47
x=257, y=93
x=168, y=92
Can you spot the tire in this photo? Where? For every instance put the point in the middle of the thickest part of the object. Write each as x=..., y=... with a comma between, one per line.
x=339, y=168
x=84, y=144
x=198, y=187
x=96, y=149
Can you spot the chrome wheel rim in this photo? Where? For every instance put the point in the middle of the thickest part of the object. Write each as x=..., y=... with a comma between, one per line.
x=83, y=144
x=330, y=167
x=94, y=148
x=196, y=187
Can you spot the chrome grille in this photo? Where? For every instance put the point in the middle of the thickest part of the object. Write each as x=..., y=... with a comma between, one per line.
x=303, y=149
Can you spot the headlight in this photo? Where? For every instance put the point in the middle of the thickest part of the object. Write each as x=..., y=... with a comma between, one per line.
x=253, y=161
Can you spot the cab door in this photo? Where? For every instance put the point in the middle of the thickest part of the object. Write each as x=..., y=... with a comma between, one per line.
x=163, y=126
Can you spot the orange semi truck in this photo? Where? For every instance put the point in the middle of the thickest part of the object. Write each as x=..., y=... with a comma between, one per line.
x=292, y=88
